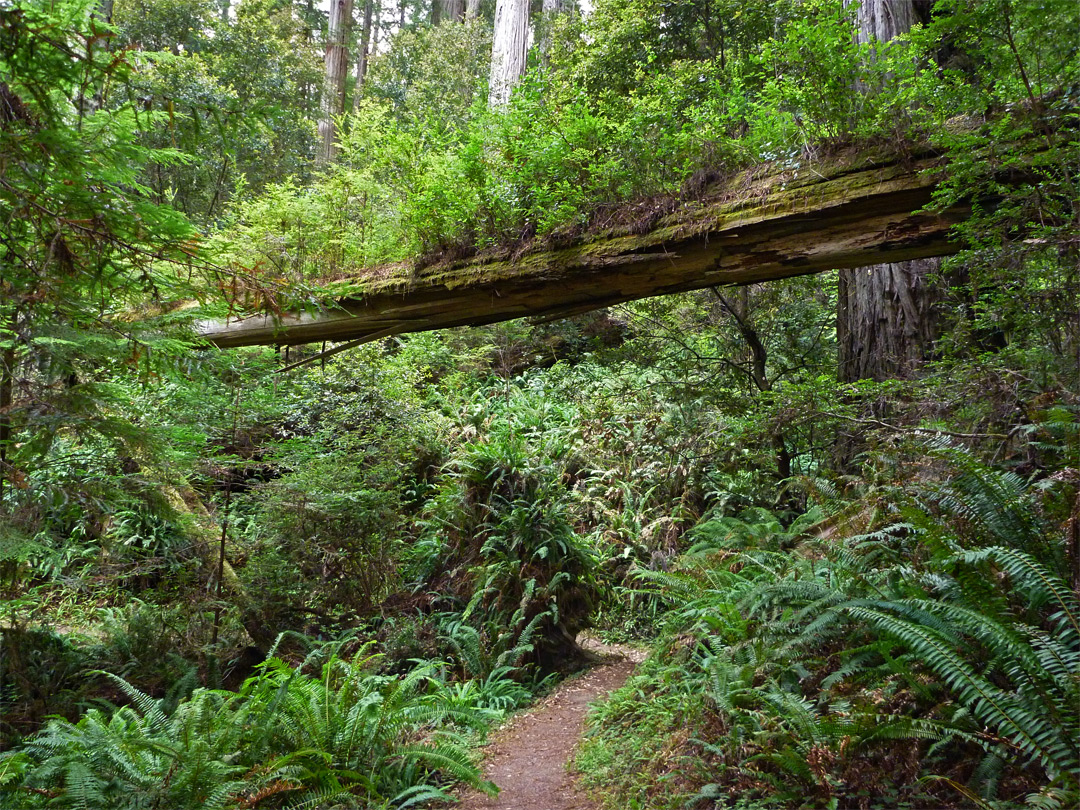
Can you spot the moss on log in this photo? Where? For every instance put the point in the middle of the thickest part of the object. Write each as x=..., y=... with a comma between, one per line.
x=743, y=230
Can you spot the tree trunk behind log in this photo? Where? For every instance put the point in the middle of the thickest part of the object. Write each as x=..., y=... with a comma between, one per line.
x=887, y=320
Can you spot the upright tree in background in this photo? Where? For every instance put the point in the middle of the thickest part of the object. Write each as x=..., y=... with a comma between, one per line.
x=443, y=10
x=508, y=49
x=472, y=9
x=549, y=11
x=885, y=322
x=337, y=68
x=364, y=57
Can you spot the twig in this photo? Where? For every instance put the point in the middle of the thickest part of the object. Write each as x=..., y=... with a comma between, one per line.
x=391, y=330
x=930, y=431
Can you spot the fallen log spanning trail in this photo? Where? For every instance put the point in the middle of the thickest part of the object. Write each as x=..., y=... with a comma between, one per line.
x=744, y=230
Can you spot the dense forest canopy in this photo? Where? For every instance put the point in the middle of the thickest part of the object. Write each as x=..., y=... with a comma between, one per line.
x=841, y=511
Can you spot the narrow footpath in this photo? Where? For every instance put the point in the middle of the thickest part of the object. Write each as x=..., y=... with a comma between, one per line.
x=528, y=757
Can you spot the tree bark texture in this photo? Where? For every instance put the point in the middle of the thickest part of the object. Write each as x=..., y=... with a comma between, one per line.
x=365, y=53
x=337, y=68
x=885, y=321
x=453, y=10
x=744, y=230
x=549, y=11
x=472, y=9
x=881, y=20
x=509, y=46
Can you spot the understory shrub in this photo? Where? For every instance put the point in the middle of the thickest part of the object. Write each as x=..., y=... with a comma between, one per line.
x=329, y=735
x=952, y=627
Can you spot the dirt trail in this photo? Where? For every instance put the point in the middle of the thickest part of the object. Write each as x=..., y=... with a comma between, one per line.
x=528, y=756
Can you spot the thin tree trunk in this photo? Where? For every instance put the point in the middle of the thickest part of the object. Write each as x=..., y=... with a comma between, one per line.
x=550, y=10
x=453, y=10
x=886, y=322
x=509, y=46
x=365, y=53
x=472, y=9
x=337, y=67
x=7, y=387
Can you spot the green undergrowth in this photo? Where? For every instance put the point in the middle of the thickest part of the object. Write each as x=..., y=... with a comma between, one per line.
x=931, y=662
x=330, y=730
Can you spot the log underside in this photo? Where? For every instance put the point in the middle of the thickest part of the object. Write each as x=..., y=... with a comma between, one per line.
x=744, y=231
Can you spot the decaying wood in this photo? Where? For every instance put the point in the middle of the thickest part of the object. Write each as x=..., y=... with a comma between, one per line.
x=742, y=231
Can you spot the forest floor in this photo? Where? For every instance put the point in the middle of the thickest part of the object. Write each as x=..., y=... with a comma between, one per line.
x=529, y=756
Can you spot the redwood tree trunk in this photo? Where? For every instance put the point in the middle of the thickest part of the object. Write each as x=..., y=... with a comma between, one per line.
x=453, y=10
x=885, y=320
x=508, y=49
x=550, y=9
x=365, y=52
x=337, y=67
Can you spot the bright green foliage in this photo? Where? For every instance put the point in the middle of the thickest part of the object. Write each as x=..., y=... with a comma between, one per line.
x=340, y=733
x=325, y=536
x=473, y=498
x=82, y=249
x=813, y=663
x=238, y=96
x=501, y=516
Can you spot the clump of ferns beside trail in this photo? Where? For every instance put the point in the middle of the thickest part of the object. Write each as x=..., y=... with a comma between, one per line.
x=327, y=732
x=933, y=661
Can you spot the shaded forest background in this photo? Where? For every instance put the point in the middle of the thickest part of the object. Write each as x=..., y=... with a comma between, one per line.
x=842, y=510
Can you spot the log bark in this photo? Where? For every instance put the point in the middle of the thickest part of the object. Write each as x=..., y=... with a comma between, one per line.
x=743, y=231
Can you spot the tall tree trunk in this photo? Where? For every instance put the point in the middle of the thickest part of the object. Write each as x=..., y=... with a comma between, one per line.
x=453, y=10
x=365, y=53
x=550, y=10
x=508, y=48
x=472, y=9
x=7, y=388
x=337, y=67
x=885, y=320
x=443, y=10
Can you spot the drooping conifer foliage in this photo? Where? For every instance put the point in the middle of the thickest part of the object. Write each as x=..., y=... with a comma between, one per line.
x=315, y=576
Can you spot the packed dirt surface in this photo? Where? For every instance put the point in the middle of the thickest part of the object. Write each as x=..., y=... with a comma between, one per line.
x=529, y=755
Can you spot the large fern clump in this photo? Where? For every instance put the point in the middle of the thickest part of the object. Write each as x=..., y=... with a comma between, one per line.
x=791, y=664
x=335, y=735
x=506, y=554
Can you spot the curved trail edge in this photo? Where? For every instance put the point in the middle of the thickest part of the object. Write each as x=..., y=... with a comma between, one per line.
x=528, y=756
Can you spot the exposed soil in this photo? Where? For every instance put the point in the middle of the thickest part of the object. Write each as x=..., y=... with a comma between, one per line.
x=529, y=755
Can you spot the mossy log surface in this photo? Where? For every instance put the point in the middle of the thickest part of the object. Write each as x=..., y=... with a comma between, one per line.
x=755, y=227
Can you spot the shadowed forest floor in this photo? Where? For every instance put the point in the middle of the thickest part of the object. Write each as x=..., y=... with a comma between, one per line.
x=528, y=756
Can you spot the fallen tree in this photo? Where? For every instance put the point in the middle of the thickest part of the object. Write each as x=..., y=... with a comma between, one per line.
x=757, y=226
